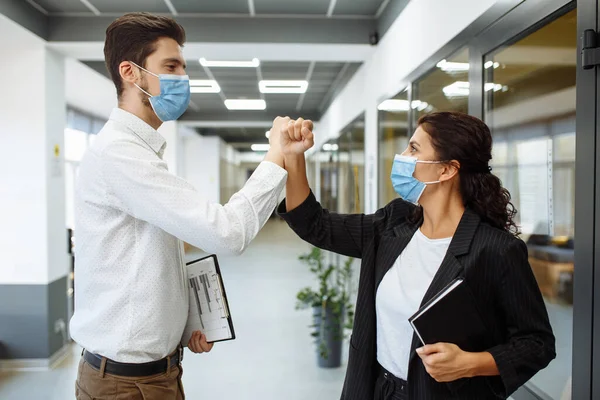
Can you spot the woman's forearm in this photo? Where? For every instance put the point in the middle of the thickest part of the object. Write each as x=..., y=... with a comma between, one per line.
x=297, y=189
x=483, y=364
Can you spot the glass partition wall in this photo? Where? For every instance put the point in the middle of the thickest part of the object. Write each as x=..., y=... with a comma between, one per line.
x=526, y=93
x=351, y=167
x=394, y=132
x=529, y=104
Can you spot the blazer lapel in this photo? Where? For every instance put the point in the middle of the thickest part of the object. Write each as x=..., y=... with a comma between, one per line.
x=450, y=267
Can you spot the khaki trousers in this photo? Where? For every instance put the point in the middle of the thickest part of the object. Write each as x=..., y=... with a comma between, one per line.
x=92, y=384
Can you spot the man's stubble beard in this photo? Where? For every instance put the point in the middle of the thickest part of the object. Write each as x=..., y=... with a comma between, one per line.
x=144, y=96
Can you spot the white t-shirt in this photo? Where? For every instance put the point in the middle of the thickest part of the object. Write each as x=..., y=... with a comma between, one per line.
x=399, y=296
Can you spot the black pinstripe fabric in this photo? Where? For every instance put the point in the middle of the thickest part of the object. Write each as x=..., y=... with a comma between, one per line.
x=495, y=267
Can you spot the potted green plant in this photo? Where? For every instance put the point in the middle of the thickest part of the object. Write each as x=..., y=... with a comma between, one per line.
x=332, y=309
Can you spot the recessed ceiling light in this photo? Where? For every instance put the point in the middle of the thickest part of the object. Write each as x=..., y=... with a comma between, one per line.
x=449, y=66
x=230, y=64
x=204, y=86
x=330, y=147
x=461, y=89
x=283, y=86
x=260, y=147
x=245, y=104
x=267, y=134
x=491, y=64
x=397, y=105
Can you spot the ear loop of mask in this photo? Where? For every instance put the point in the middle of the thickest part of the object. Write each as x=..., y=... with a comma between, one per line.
x=430, y=162
x=151, y=73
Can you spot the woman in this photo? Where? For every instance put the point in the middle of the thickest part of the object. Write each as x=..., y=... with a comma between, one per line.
x=454, y=219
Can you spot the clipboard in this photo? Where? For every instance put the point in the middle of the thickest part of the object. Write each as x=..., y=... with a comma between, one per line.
x=209, y=310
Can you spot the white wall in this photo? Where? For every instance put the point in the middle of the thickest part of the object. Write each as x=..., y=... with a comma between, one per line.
x=201, y=159
x=32, y=208
x=89, y=91
x=58, y=261
x=422, y=29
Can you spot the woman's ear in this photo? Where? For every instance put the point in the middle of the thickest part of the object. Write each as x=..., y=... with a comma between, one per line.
x=451, y=169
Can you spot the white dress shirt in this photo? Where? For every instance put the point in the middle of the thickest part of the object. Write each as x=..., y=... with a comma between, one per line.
x=131, y=215
x=399, y=296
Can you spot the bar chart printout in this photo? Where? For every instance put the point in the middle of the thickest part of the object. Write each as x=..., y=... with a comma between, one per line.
x=208, y=311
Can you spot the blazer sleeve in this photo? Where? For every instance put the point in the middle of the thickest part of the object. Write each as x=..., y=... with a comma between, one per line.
x=531, y=344
x=343, y=234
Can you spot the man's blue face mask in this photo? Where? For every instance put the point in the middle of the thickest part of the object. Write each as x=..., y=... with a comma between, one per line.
x=405, y=184
x=174, y=96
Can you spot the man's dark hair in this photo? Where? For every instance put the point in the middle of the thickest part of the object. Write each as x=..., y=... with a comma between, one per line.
x=133, y=37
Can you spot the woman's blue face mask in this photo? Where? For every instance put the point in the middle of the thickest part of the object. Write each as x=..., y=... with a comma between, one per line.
x=405, y=184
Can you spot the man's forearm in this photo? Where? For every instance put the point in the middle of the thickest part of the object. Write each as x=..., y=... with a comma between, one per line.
x=275, y=157
x=297, y=189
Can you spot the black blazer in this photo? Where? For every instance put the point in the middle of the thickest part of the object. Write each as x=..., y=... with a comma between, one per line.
x=495, y=267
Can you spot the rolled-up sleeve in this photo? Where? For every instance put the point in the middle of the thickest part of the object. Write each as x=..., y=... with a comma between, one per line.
x=531, y=343
x=345, y=234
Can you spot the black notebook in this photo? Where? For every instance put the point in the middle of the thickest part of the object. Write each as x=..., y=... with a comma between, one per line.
x=451, y=316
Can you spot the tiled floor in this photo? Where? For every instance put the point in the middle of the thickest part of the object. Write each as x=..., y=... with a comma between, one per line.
x=273, y=357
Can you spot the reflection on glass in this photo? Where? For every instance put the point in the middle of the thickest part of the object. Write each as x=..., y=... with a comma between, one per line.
x=329, y=157
x=311, y=172
x=393, y=139
x=342, y=162
x=351, y=168
x=446, y=88
x=530, y=107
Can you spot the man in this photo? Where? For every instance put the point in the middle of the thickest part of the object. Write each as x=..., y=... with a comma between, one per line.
x=132, y=216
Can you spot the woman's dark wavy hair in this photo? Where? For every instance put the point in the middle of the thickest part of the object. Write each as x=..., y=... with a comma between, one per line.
x=466, y=139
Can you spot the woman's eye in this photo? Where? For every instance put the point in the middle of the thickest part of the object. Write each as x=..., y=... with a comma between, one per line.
x=412, y=149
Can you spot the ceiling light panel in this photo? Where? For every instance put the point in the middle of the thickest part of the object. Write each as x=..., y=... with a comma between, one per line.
x=283, y=86
x=255, y=62
x=260, y=147
x=245, y=104
x=204, y=86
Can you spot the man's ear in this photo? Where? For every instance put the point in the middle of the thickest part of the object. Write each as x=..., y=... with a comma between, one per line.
x=129, y=72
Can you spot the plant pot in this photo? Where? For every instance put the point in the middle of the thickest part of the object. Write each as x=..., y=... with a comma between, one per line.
x=330, y=337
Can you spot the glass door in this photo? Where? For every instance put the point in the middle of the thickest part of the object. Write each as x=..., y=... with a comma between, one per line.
x=541, y=107
x=529, y=104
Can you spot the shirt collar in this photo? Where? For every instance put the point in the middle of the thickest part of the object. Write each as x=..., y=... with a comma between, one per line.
x=144, y=131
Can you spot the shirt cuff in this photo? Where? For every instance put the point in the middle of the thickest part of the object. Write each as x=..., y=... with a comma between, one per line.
x=270, y=175
x=271, y=167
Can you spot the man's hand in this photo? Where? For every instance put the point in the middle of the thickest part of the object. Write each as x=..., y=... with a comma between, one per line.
x=275, y=135
x=446, y=362
x=296, y=137
x=274, y=154
x=198, y=343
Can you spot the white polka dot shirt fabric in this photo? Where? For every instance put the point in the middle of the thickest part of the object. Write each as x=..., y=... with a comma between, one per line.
x=131, y=215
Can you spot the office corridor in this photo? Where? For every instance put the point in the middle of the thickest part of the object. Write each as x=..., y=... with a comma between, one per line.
x=273, y=356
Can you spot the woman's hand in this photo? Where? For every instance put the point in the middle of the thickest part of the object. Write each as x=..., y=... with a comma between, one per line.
x=198, y=343
x=446, y=362
x=296, y=137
